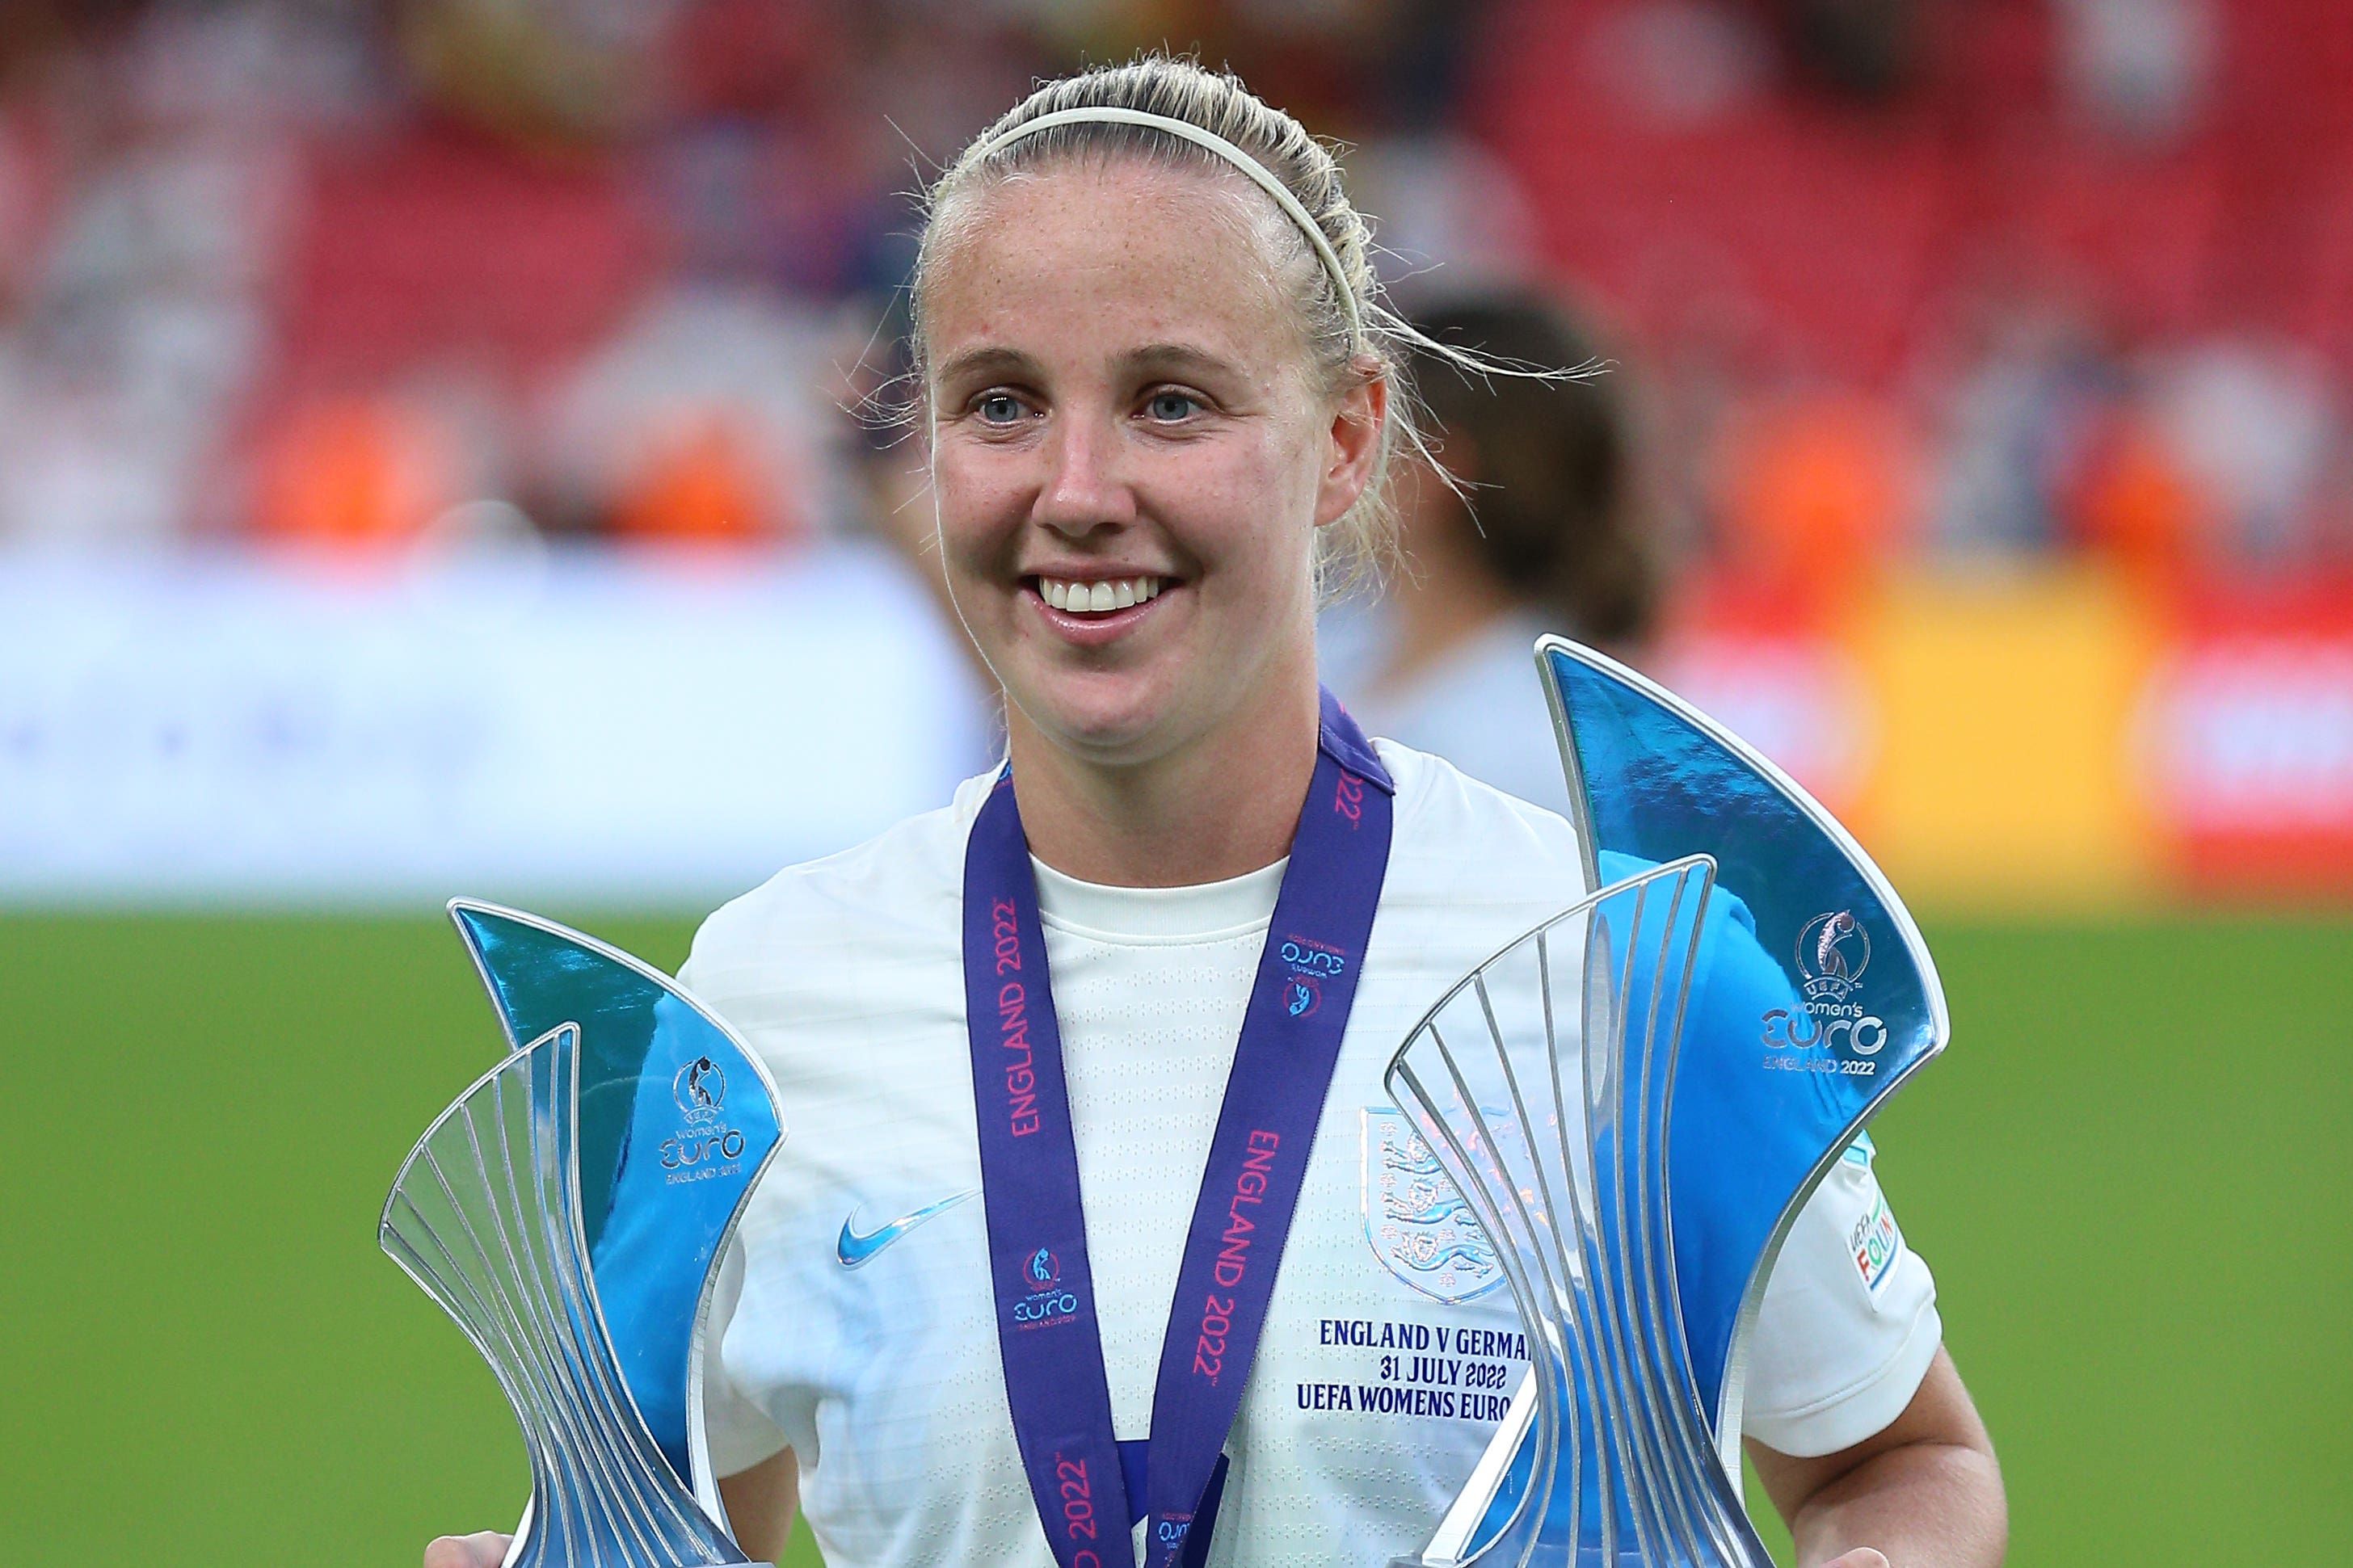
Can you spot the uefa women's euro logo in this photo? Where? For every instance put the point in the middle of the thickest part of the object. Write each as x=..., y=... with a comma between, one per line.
x=706, y=1146
x=1301, y=996
x=1310, y=963
x=1418, y=1223
x=700, y=1088
x=1048, y=1303
x=1833, y=951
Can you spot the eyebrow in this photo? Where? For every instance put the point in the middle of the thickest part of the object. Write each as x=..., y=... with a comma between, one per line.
x=995, y=360
x=1179, y=357
x=991, y=362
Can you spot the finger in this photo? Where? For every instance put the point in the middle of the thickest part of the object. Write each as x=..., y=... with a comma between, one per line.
x=1861, y=1557
x=483, y=1549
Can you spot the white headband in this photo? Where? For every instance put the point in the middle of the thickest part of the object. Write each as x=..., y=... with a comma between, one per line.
x=1224, y=149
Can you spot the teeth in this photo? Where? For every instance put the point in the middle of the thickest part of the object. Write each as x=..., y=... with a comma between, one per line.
x=1092, y=598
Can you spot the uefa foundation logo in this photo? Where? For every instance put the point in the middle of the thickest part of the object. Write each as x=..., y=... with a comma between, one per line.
x=1875, y=1244
x=706, y=1146
x=1048, y=1303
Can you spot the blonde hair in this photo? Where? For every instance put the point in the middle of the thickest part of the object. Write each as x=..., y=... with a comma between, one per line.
x=1349, y=332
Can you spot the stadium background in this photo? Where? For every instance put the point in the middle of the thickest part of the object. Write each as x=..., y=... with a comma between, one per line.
x=370, y=372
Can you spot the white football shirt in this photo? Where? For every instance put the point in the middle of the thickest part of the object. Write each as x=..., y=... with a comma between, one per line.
x=861, y=1330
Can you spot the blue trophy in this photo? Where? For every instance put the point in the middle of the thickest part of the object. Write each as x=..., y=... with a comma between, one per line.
x=570, y=1210
x=1636, y=1099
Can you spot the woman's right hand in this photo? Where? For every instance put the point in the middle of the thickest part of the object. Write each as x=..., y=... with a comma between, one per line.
x=483, y=1549
x=760, y=1501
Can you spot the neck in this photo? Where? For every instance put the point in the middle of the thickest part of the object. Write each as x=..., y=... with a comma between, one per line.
x=1220, y=807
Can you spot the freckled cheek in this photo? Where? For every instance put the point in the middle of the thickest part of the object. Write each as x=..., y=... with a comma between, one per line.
x=1223, y=504
x=1238, y=528
x=979, y=526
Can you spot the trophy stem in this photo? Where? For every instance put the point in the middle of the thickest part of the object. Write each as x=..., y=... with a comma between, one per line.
x=1616, y=1468
x=485, y=1216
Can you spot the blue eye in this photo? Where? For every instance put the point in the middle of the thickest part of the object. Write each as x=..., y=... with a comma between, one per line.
x=1169, y=407
x=998, y=408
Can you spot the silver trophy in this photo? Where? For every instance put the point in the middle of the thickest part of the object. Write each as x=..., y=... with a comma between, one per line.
x=1635, y=1099
x=569, y=1211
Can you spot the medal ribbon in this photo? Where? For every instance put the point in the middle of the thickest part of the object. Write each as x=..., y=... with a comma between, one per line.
x=1049, y=1335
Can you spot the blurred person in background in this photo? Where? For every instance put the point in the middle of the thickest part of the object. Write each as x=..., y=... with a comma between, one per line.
x=1535, y=526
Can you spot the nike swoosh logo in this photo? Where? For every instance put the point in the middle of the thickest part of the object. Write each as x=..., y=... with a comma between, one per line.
x=855, y=1250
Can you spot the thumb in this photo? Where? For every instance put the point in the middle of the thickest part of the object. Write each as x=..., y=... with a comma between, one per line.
x=1861, y=1557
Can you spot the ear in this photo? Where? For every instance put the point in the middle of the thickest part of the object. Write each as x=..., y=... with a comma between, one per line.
x=1353, y=445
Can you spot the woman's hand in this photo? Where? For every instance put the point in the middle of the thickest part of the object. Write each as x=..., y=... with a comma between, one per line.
x=483, y=1549
x=760, y=1501
x=1861, y=1557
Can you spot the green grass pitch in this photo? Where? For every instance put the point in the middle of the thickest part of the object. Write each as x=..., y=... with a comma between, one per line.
x=2132, y=1172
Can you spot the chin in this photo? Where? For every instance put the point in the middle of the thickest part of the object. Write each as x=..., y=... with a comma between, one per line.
x=1105, y=716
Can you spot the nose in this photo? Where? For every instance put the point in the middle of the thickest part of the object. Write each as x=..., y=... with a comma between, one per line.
x=1085, y=488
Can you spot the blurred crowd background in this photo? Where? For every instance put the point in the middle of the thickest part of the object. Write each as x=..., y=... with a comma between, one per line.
x=429, y=464
x=1982, y=363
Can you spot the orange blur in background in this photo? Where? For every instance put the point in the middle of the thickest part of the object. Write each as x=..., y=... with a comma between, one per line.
x=1994, y=356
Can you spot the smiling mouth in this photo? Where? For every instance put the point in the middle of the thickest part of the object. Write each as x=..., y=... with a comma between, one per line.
x=1103, y=597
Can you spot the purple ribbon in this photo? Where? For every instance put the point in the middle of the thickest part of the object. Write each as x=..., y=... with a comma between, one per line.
x=1047, y=1331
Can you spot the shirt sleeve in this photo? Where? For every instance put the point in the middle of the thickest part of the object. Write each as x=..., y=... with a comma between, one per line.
x=739, y=1433
x=1849, y=1323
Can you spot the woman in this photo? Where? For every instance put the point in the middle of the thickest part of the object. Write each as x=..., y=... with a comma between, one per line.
x=1534, y=526
x=1160, y=405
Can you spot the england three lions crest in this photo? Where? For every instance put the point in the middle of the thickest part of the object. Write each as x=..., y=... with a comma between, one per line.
x=1418, y=1225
